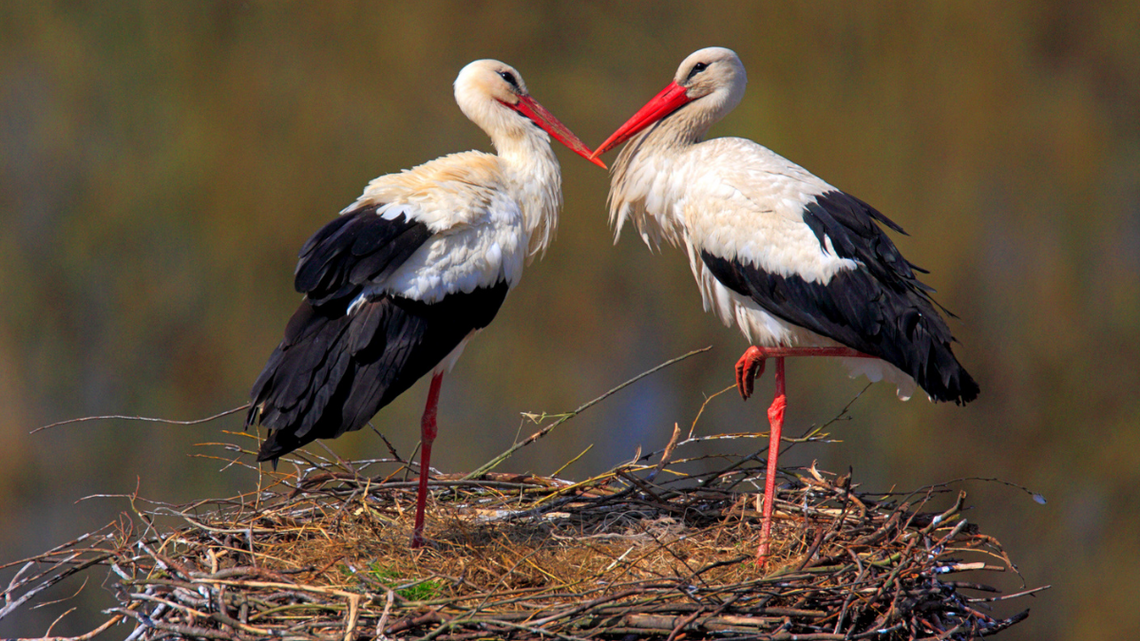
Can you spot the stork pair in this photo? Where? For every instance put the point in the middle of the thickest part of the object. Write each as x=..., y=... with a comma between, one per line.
x=423, y=259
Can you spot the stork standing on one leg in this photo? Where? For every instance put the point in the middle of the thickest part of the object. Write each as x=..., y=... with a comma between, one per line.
x=802, y=268
x=406, y=275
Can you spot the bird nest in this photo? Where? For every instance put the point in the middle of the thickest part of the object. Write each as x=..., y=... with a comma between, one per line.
x=664, y=550
x=639, y=552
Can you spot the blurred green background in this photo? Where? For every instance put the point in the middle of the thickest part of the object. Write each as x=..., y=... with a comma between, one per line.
x=161, y=164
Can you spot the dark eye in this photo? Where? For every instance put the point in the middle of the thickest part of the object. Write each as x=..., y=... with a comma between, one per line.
x=697, y=68
x=510, y=78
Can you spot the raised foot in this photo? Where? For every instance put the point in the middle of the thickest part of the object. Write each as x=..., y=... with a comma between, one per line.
x=750, y=365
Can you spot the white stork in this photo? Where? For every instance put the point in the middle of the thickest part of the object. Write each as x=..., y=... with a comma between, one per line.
x=801, y=267
x=406, y=275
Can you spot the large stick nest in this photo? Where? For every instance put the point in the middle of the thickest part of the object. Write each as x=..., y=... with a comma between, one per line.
x=642, y=551
x=323, y=554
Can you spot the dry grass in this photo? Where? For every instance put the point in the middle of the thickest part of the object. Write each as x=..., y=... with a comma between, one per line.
x=643, y=551
x=324, y=555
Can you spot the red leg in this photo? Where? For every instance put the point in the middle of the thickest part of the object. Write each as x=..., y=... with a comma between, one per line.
x=776, y=425
x=427, y=437
x=751, y=365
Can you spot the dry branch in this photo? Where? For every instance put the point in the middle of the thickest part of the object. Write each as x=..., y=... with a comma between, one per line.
x=322, y=555
x=325, y=557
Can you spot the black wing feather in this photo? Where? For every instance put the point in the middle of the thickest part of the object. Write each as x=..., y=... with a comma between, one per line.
x=850, y=224
x=348, y=367
x=354, y=249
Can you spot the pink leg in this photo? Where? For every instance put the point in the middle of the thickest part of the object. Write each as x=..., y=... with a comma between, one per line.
x=751, y=365
x=427, y=437
x=776, y=425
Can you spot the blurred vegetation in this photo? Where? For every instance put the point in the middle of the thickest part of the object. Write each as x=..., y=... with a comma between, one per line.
x=161, y=163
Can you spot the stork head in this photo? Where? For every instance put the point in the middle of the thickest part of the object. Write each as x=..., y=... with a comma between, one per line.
x=708, y=85
x=492, y=94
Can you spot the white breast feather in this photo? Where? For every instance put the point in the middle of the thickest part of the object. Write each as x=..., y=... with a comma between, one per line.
x=479, y=234
x=465, y=257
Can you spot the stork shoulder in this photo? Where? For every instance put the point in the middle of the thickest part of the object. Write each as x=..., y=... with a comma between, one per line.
x=769, y=200
x=769, y=181
x=451, y=191
x=726, y=220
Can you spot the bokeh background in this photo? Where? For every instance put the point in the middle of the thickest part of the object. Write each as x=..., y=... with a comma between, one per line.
x=161, y=163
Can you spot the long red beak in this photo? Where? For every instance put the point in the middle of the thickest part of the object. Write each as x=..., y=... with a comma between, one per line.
x=664, y=103
x=531, y=109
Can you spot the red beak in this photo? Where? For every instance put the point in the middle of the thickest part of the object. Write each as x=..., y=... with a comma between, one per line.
x=664, y=103
x=530, y=108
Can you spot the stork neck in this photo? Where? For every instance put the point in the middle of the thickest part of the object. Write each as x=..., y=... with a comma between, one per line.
x=532, y=170
x=681, y=129
x=645, y=183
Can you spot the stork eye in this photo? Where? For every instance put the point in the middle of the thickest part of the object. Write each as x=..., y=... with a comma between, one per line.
x=697, y=68
x=510, y=78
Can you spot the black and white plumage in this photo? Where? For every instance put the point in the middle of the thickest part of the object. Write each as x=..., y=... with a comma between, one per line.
x=344, y=355
x=879, y=308
x=799, y=266
x=406, y=275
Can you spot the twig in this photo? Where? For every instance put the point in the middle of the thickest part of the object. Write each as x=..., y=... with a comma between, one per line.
x=147, y=419
x=493, y=463
x=668, y=453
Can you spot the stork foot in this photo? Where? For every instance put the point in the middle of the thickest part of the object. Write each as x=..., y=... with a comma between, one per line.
x=750, y=365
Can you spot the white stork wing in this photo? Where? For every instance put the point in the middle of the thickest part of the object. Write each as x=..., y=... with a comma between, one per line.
x=816, y=258
x=391, y=290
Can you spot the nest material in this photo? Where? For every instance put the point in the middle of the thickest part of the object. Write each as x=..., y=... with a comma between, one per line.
x=621, y=556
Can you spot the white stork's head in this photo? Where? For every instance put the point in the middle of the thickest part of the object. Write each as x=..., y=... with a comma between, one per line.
x=708, y=85
x=492, y=94
x=715, y=75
